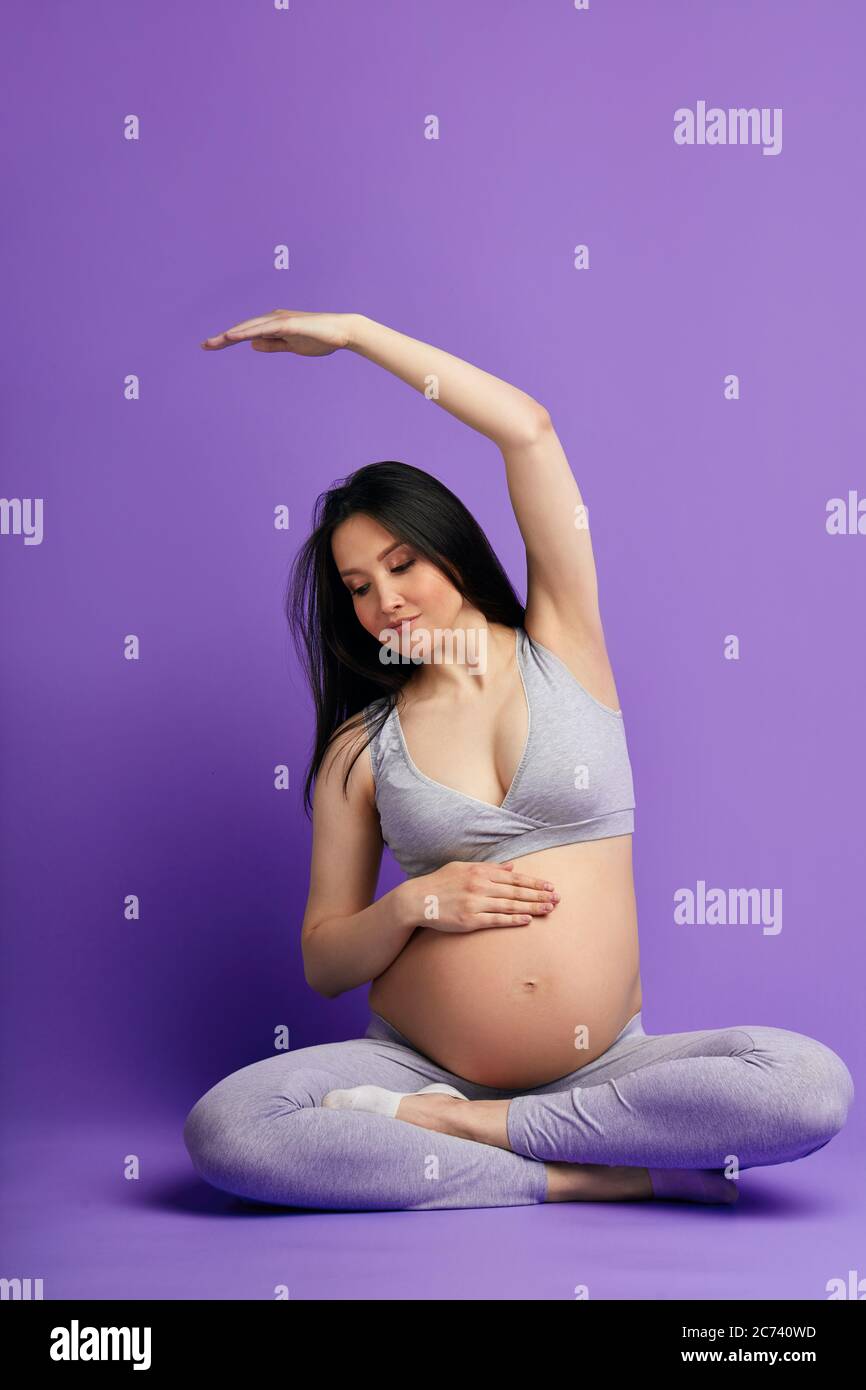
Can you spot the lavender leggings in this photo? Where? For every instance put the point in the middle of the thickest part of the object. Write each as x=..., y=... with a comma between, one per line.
x=671, y=1100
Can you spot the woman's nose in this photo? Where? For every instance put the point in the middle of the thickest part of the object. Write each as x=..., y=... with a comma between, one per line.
x=393, y=604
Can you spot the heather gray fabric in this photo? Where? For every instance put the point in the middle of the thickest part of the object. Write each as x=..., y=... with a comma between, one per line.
x=573, y=781
x=667, y=1100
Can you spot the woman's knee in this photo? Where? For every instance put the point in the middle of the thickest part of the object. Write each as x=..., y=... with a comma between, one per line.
x=834, y=1085
x=814, y=1087
x=229, y=1126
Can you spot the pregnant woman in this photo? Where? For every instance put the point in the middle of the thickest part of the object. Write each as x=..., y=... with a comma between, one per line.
x=505, y=1061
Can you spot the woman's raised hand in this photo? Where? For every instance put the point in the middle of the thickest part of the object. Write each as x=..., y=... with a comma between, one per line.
x=288, y=330
x=467, y=895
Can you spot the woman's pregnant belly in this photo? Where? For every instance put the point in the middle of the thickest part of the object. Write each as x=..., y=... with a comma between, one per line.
x=515, y=1007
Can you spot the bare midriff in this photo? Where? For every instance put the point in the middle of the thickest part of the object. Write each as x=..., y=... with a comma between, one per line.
x=520, y=1006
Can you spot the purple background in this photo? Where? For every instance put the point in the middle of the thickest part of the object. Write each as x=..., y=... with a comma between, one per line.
x=155, y=776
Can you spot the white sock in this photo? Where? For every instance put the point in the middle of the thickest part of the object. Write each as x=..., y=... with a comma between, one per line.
x=376, y=1100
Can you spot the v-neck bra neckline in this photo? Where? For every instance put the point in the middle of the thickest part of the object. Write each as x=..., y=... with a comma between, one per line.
x=454, y=791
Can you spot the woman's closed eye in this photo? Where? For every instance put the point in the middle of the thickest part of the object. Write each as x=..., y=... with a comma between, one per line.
x=398, y=569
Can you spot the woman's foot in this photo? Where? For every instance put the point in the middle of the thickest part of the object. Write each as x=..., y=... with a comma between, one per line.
x=438, y=1107
x=596, y=1182
x=447, y=1111
x=431, y=1111
x=377, y=1100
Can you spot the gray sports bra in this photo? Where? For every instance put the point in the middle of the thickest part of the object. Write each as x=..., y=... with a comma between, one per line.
x=573, y=781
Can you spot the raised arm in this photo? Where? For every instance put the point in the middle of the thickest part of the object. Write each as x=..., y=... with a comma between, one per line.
x=562, y=606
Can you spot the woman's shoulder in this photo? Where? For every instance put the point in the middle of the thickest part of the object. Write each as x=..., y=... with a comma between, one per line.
x=374, y=708
x=364, y=725
x=344, y=752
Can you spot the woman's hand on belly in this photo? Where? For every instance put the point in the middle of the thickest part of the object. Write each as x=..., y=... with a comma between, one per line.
x=469, y=896
x=517, y=1009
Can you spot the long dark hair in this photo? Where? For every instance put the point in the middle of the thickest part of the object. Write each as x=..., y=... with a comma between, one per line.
x=341, y=658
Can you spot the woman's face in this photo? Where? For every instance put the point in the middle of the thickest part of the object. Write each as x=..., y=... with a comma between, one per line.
x=389, y=580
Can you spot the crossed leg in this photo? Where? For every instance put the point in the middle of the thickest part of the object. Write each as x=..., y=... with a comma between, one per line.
x=747, y=1096
x=680, y=1101
x=263, y=1134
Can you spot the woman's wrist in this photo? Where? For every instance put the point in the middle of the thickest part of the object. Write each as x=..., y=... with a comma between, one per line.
x=354, y=329
x=408, y=905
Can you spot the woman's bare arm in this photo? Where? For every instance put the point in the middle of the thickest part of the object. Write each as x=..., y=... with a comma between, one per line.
x=562, y=608
x=485, y=402
x=348, y=939
x=562, y=590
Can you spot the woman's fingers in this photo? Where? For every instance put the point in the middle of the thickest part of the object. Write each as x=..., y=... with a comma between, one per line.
x=499, y=919
x=259, y=328
x=520, y=895
x=249, y=328
x=517, y=906
x=525, y=879
x=269, y=323
x=521, y=887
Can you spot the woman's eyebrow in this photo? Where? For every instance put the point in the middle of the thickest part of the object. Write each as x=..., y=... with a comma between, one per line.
x=386, y=551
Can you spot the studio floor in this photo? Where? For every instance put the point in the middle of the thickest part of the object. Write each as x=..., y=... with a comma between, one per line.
x=74, y=1220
